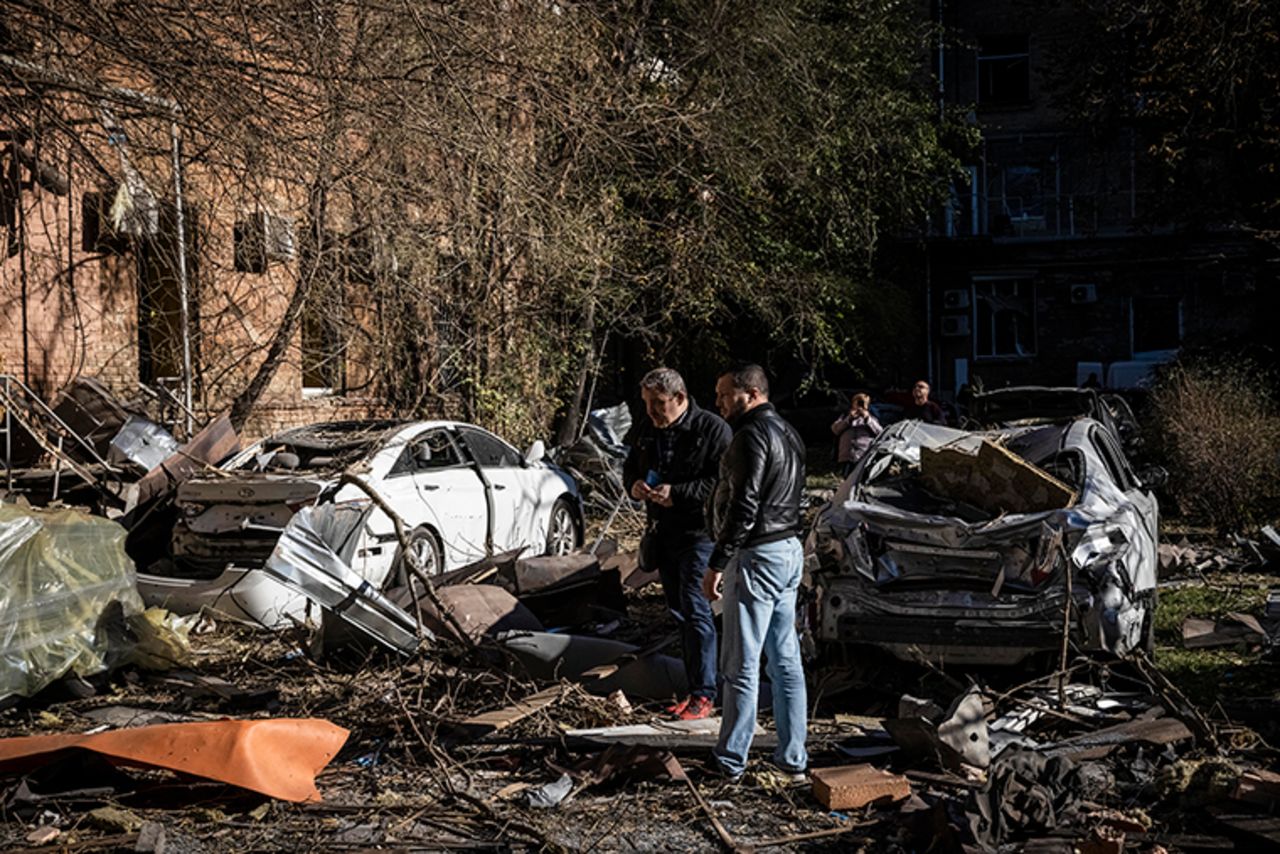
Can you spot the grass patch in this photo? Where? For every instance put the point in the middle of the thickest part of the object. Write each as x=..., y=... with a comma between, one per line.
x=1210, y=675
x=1245, y=593
x=821, y=471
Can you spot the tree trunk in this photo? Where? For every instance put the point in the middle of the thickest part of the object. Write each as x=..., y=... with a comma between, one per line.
x=568, y=432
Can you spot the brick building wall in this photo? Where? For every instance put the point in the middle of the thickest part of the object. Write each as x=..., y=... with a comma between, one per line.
x=79, y=313
x=70, y=306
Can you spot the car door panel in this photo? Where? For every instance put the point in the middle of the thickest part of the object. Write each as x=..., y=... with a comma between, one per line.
x=517, y=504
x=439, y=489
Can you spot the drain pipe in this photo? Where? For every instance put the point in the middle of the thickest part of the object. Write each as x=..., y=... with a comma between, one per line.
x=183, y=286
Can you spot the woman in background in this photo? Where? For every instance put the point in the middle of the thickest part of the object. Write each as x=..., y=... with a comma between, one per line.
x=854, y=432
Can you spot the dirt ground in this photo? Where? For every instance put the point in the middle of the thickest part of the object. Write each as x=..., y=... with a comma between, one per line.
x=407, y=780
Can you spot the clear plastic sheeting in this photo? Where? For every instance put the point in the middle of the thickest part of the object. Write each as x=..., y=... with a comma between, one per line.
x=62, y=575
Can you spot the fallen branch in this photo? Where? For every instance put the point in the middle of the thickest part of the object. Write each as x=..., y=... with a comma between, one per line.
x=1177, y=702
x=410, y=559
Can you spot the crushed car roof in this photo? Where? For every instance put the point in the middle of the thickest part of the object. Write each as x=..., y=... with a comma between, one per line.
x=336, y=435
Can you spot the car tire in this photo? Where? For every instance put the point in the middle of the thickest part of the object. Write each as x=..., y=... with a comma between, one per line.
x=426, y=545
x=563, y=535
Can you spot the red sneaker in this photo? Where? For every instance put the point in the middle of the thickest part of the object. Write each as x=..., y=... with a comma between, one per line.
x=697, y=709
x=678, y=709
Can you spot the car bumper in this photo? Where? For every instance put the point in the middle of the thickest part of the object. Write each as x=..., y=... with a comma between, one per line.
x=245, y=595
x=947, y=626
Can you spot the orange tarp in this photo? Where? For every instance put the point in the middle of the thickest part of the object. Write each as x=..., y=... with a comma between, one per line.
x=279, y=758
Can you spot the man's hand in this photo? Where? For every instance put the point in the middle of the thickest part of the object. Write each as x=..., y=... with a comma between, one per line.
x=640, y=490
x=711, y=585
x=661, y=494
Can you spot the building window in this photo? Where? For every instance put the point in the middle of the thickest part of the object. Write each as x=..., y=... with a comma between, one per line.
x=1156, y=323
x=1004, y=318
x=323, y=357
x=1004, y=71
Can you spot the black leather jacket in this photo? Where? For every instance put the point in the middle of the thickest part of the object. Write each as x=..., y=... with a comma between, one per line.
x=757, y=498
x=700, y=440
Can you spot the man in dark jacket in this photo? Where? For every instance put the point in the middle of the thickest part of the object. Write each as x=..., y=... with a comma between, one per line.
x=755, y=518
x=672, y=468
x=922, y=408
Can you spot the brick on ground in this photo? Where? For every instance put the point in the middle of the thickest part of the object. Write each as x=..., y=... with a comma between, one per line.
x=849, y=787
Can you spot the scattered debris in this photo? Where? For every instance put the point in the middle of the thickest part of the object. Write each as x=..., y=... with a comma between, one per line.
x=697, y=735
x=957, y=736
x=993, y=478
x=1025, y=793
x=549, y=795
x=487, y=723
x=43, y=835
x=515, y=702
x=1232, y=629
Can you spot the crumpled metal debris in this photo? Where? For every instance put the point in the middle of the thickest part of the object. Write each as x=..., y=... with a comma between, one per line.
x=956, y=736
x=549, y=795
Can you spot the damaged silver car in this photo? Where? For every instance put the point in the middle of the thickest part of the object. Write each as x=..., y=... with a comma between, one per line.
x=1018, y=406
x=964, y=547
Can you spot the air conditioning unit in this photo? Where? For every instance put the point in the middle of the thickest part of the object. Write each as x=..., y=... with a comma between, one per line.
x=955, y=299
x=955, y=324
x=97, y=234
x=1081, y=294
x=261, y=238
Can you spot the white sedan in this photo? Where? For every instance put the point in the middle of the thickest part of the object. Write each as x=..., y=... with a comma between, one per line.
x=462, y=493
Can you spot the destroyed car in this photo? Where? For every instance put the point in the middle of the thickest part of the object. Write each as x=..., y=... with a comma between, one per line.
x=964, y=547
x=461, y=491
x=1023, y=405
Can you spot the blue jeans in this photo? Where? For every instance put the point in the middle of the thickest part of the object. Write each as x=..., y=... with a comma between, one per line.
x=760, y=585
x=681, y=565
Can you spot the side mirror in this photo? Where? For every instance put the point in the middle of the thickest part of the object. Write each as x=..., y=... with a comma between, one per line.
x=536, y=452
x=1154, y=477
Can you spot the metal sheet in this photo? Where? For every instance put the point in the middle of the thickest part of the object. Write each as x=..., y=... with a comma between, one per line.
x=309, y=558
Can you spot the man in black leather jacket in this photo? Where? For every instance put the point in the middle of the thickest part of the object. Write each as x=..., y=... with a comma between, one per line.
x=671, y=468
x=755, y=518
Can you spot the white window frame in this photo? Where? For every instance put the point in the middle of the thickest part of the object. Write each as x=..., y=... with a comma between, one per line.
x=1017, y=277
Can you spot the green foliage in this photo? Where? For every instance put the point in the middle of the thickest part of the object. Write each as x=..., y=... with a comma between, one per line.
x=514, y=182
x=1216, y=425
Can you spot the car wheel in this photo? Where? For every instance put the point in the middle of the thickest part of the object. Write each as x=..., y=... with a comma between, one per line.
x=425, y=546
x=562, y=529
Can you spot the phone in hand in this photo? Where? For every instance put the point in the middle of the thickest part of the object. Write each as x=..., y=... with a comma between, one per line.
x=652, y=479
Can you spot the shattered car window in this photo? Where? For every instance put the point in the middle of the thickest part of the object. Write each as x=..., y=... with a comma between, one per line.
x=490, y=451
x=329, y=446
x=892, y=476
x=432, y=450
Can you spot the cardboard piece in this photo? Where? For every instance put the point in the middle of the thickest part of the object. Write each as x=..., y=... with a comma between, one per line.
x=994, y=479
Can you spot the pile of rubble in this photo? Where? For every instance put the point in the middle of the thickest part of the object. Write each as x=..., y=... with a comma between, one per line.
x=517, y=703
